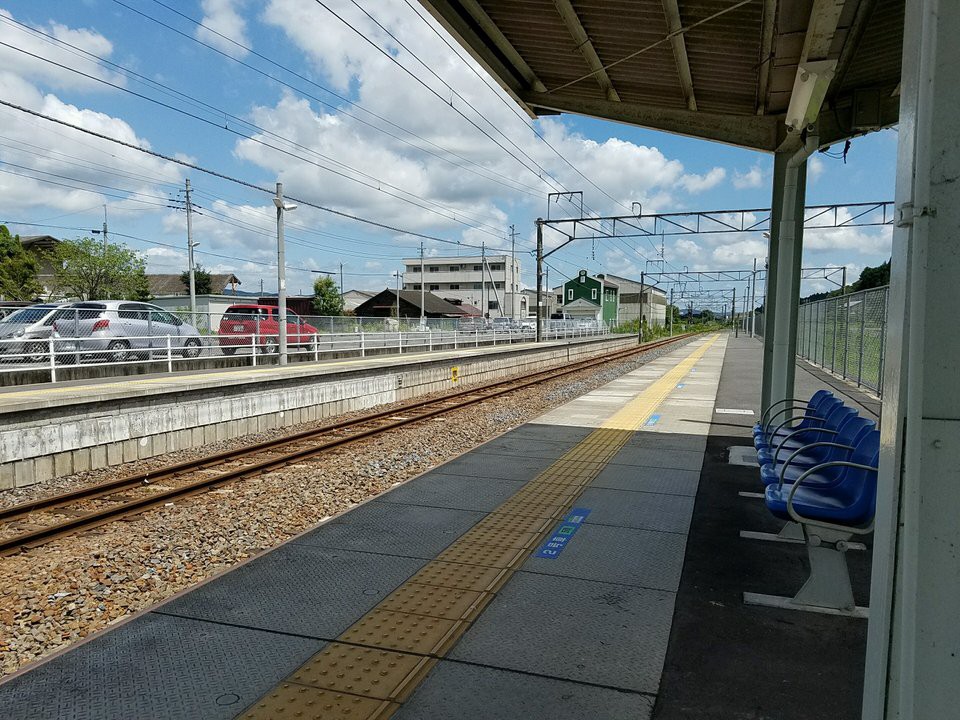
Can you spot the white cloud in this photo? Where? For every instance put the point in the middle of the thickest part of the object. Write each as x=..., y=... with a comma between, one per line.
x=815, y=167
x=33, y=69
x=752, y=178
x=223, y=19
x=44, y=165
x=698, y=183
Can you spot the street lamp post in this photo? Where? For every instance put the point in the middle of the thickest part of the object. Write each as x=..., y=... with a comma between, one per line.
x=281, y=274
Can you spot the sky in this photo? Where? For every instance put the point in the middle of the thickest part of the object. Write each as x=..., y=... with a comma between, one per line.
x=394, y=124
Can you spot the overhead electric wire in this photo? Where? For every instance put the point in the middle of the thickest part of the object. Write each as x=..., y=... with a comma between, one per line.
x=75, y=161
x=208, y=211
x=437, y=76
x=492, y=176
x=492, y=231
x=459, y=112
x=509, y=105
x=238, y=181
x=136, y=238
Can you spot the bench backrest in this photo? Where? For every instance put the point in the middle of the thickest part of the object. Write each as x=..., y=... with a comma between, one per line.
x=850, y=432
x=857, y=489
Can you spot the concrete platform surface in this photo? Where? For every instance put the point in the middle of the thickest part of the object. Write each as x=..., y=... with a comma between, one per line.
x=545, y=574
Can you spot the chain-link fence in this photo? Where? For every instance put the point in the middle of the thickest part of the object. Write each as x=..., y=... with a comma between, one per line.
x=56, y=336
x=845, y=335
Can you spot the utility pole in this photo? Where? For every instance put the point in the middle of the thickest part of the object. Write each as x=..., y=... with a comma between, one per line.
x=483, y=280
x=423, y=292
x=341, y=287
x=399, y=275
x=670, y=310
x=513, y=272
x=193, y=282
x=843, y=276
x=753, y=300
x=539, y=279
x=105, y=243
x=733, y=313
x=640, y=319
x=281, y=274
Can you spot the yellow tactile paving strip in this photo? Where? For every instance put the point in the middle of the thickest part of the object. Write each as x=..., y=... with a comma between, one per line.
x=380, y=659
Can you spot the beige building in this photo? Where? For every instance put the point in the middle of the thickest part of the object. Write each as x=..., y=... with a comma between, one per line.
x=638, y=300
x=491, y=283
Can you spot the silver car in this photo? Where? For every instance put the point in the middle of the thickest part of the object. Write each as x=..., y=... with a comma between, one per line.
x=115, y=330
x=26, y=332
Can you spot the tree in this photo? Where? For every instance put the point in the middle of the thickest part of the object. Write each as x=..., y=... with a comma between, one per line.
x=872, y=277
x=18, y=269
x=326, y=297
x=88, y=270
x=202, y=281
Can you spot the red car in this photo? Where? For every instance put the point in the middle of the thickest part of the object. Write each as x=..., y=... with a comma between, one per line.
x=241, y=323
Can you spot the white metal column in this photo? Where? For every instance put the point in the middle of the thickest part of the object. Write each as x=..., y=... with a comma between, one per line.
x=780, y=342
x=770, y=298
x=913, y=648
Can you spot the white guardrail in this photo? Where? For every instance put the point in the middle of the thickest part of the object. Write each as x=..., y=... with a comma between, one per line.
x=59, y=353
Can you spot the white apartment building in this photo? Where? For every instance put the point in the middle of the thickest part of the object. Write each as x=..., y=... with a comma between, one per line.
x=491, y=284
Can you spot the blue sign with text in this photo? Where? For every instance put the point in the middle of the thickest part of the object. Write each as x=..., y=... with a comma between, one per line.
x=555, y=544
x=652, y=420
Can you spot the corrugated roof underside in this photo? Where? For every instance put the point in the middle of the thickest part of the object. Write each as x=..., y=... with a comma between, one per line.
x=723, y=53
x=878, y=57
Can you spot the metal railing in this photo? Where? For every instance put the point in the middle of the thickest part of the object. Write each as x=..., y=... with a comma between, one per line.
x=845, y=335
x=73, y=340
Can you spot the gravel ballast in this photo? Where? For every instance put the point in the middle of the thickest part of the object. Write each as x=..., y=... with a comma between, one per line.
x=56, y=594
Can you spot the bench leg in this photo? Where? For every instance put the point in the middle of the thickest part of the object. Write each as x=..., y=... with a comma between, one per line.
x=789, y=533
x=827, y=590
x=829, y=582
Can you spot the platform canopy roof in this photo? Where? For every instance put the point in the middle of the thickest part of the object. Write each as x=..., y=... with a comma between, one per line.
x=743, y=72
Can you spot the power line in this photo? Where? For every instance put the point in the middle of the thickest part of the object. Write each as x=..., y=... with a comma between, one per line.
x=445, y=84
x=459, y=112
x=492, y=176
x=238, y=181
x=206, y=121
x=510, y=106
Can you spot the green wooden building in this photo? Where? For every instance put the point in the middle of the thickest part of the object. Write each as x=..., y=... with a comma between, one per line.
x=590, y=298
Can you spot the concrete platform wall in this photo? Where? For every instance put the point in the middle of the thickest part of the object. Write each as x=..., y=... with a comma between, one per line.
x=37, y=445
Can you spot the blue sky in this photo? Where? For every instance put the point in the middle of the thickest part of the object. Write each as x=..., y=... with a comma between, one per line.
x=443, y=165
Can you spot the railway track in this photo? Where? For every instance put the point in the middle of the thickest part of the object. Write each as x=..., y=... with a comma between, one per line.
x=31, y=524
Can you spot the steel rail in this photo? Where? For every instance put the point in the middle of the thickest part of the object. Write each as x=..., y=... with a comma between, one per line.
x=442, y=405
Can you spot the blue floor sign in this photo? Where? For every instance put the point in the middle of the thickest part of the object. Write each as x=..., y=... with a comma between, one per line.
x=555, y=544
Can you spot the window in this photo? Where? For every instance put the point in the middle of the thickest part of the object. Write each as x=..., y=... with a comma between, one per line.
x=499, y=285
x=493, y=305
x=477, y=286
x=454, y=268
x=434, y=287
x=413, y=268
x=582, y=278
x=559, y=299
x=433, y=268
x=478, y=268
x=570, y=294
x=454, y=287
x=496, y=266
x=416, y=286
x=593, y=294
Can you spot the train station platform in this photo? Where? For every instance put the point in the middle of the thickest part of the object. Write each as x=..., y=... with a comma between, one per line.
x=585, y=564
x=52, y=430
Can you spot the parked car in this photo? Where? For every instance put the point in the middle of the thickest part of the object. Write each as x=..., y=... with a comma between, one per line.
x=471, y=324
x=114, y=330
x=26, y=332
x=505, y=324
x=242, y=323
x=8, y=307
